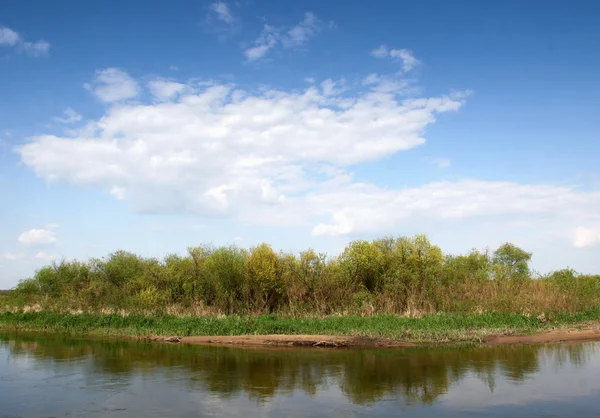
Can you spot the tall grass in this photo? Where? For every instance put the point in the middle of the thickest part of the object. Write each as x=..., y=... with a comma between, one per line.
x=431, y=328
x=400, y=276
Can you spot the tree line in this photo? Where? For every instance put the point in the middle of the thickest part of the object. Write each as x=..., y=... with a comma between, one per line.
x=404, y=275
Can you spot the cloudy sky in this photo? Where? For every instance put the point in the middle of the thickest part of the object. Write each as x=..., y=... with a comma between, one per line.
x=154, y=126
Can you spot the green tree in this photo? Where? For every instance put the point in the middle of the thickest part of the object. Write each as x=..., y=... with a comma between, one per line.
x=363, y=262
x=265, y=282
x=511, y=262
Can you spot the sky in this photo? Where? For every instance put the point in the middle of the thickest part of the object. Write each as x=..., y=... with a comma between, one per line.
x=154, y=126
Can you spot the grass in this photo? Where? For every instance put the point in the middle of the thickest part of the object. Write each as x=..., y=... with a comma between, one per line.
x=428, y=329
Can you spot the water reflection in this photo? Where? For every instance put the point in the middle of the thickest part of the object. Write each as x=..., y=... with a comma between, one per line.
x=365, y=377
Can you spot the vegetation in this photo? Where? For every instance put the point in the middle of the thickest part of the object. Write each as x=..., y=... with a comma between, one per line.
x=431, y=328
x=389, y=276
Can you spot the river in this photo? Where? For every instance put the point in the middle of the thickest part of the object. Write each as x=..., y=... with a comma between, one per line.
x=58, y=376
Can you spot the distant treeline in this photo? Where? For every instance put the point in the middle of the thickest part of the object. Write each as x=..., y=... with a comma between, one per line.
x=406, y=275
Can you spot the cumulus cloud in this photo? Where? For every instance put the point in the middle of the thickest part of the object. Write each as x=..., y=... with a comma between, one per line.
x=272, y=37
x=46, y=257
x=9, y=37
x=70, y=116
x=381, y=52
x=220, y=20
x=267, y=40
x=330, y=87
x=209, y=151
x=303, y=31
x=34, y=237
x=221, y=9
x=404, y=56
x=165, y=89
x=586, y=236
x=284, y=157
x=113, y=85
x=358, y=208
x=36, y=49
x=11, y=256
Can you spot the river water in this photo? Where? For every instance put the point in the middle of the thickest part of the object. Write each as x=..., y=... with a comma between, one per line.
x=54, y=376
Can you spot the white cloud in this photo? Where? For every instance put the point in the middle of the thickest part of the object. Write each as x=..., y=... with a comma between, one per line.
x=35, y=237
x=11, y=256
x=404, y=56
x=70, y=116
x=366, y=208
x=41, y=255
x=212, y=150
x=408, y=59
x=237, y=239
x=165, y=89
x=586, y=236
x=371, y=79
x=36, y=49
x=278, y=157
x=332, y=88
x=220, y=20
x=173, y=68
x=440, y=162
x=117, y=192
x=295, y=36
x=303, y=31
x=113, y=85
x=381, y=52
x=222, y=11
x=257, y=52
x=8, y=37
x=267, y=40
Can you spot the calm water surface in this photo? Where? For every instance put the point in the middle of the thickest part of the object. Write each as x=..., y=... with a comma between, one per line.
x=43, y=376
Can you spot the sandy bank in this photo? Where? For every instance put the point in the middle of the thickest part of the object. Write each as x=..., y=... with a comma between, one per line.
x=585, y=333
x=331, y=341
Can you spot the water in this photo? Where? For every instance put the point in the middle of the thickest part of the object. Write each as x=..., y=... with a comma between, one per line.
x=42, y=376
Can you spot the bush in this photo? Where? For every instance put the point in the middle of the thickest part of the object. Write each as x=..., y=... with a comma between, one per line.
x=405, y=275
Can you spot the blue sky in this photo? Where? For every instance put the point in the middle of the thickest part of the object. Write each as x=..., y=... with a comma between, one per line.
x=154, y=126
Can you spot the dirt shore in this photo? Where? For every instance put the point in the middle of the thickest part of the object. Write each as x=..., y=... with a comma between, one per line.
x=585, y=333
x=331, y=341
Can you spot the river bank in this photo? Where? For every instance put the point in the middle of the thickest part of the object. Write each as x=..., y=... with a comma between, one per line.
x=587, y=332
x=338, y=331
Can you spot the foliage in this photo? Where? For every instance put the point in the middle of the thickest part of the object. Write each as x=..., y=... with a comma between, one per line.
x=406, y=275
x=511, y=262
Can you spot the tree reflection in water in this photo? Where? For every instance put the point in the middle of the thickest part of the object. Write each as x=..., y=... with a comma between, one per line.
x=414, y=376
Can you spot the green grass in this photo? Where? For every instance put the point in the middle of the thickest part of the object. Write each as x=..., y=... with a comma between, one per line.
x=433, y=328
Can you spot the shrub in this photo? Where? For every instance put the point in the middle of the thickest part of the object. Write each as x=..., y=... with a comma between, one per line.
x=405, y=275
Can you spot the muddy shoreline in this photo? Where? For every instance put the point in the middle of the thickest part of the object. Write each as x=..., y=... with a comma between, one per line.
x=582, y=334
x=323, y=341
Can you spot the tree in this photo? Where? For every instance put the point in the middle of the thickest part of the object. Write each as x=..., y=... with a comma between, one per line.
x=511, y=262
x=363, y=263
